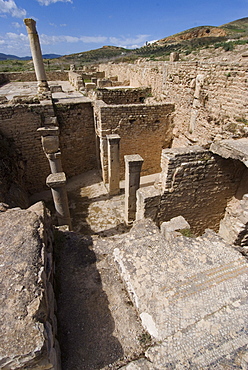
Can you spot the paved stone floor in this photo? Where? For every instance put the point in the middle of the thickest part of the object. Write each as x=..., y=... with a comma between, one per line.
x=30, y=89
x=190, y=294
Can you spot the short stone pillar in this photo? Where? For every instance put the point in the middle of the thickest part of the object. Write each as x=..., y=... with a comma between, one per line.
x=55, y=162
x=36, y=55
x=57, y=182
x=50, y=145
x=133, y=164
x=174, y=56
x=196, y=102
x=114, y=163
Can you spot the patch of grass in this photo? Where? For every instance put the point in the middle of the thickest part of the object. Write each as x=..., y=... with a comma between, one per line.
x=187, y=232
x=145, y=339
x=242, y=120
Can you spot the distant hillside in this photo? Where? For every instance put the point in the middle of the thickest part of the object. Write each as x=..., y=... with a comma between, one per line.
x=226, y=37
x=96, y=55
x=184, y=42
x=14, y=57
x=236, y=29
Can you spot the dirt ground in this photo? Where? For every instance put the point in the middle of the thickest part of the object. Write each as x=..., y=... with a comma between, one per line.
x=98, y=327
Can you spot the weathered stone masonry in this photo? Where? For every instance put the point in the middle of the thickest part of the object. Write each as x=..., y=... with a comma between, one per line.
x=123, y=95
x=77, y=138
x=20, y=123
x=30, y=76
x=223, y=101
x=144, y=129
x=193, y=183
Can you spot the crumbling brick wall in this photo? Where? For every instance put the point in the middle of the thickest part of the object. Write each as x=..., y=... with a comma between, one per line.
x=223, y=104
x=77, y=137
x=30, y=76
x=144, y=129
x=20, y=123
x=193, y=183
x=123, y=95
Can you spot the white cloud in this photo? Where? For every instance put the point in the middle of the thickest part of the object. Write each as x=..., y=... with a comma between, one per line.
x=18, y=43
x=10, y=7
x=48, y=2
x=14, y=36
x=49, y=40
x=13, y=43
x=129, y=42
x=16, y=25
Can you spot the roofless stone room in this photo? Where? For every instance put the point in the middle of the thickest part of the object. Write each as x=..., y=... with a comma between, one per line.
x=124, y=205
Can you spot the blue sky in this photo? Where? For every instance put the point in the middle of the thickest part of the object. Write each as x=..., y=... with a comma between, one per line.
x=72, y=26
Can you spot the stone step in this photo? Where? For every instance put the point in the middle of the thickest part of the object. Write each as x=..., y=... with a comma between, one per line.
x=190, y=293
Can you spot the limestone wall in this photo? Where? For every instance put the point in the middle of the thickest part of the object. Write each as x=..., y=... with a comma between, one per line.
x=77, y=139
x=222, y=105
x=144, y=129
x=30, y=76
x=20, y=123
x=123, y=95
x=27, y=321
x=76, y=80
x=234, y=225
x=194, y=183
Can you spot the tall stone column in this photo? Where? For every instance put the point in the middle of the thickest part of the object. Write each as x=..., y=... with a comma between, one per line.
x=114, y=164
x=57, y=182
x=36, y=55
x=133, y=164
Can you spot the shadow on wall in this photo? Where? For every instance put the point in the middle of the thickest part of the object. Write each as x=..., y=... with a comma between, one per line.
x=85, y=323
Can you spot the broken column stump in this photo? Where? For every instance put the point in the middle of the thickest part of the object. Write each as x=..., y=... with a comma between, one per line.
x=133, y=164
x=57, y=182
x=114, y=163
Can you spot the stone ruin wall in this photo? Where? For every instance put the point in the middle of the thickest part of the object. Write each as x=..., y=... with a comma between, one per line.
x=144, y=130
x=77, y=139
x=30, y=76
x=20, y=123
x=123, y=95
x=223, y=103
x=193, y=183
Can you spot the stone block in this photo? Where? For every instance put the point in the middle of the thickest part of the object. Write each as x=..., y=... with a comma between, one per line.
x=55, y=88
x=174, y=57
x=26, y=340
x=175, y=224
x=90, y=86
x=50, y=144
